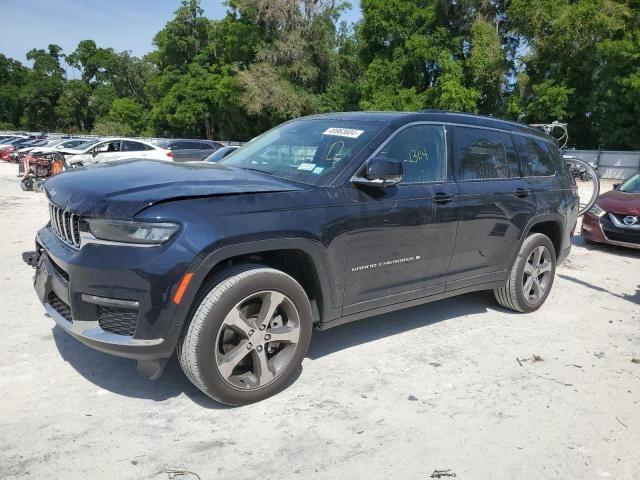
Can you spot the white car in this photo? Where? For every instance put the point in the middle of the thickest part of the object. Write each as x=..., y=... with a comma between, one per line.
x=110, y=149
x=54, y=145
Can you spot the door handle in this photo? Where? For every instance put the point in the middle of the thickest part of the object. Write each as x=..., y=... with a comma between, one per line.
x=522, y=192
x=442, y=198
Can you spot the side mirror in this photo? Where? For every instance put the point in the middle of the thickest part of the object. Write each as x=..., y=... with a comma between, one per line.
x=380, y=172
x=616, y=186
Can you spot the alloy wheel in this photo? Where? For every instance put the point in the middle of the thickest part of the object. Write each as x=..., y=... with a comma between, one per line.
x=257, y=340
x=537, y=274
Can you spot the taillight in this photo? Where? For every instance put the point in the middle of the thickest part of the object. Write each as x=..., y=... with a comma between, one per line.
x=170, y=154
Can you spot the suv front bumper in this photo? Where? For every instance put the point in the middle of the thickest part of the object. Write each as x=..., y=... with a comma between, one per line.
x=114, y=299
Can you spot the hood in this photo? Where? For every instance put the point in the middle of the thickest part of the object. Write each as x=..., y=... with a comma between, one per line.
x=120, y=189
x=72, y=151
x=620, y=202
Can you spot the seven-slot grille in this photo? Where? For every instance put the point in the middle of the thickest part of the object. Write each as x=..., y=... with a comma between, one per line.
x=65, y=225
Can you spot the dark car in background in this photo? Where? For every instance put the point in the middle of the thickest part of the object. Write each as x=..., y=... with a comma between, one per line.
x=10, y=146
x=221, y=153
x=321, y=221
x=615, y=217
x=187, y=150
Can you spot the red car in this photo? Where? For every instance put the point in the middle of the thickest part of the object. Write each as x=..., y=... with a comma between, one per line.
x=615, y=217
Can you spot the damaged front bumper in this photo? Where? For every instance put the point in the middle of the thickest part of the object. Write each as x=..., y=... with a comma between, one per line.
x=92, y=302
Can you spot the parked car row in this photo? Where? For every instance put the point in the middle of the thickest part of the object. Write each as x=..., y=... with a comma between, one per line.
x=10, y=144
x=82, y=151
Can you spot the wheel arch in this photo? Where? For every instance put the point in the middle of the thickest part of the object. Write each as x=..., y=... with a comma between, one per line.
x=550, y=225
x=299, y=258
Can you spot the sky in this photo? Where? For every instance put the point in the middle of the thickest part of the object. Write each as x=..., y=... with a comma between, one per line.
x=119, y=24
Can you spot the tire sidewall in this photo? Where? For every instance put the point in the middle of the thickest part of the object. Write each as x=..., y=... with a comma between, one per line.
x=537, y=241
x=205, y=350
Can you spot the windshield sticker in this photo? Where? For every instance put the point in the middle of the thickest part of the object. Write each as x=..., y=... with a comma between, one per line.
x=343, y=132
x=318, y=170
x=306, y=166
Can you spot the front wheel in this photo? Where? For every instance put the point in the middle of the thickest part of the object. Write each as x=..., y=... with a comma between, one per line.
x=26, y=184
x=531, y=276
x=248, y=335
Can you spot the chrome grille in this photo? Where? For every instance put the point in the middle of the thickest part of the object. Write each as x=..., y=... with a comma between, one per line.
x=65, y=225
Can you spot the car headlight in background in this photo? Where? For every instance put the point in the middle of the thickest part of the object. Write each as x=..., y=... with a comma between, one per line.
x=596, y=210
x=148, y=233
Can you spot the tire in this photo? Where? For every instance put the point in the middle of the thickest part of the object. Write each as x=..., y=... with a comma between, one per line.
x=26, y=184
x=227, y=318
x=38, y=185
x=512, y=294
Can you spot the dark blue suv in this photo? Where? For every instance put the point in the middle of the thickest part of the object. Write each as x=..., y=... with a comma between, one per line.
x=320, y=221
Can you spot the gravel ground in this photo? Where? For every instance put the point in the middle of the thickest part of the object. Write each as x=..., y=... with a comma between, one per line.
x=459, y=386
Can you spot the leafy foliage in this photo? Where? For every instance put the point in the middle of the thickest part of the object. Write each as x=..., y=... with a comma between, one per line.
x=270, y=60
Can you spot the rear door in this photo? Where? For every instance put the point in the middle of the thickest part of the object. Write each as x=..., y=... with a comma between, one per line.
x=495, y=206
x=193, y=151
x=107, y=151
x=400, y=239
x=185, y=151
x=133, y=149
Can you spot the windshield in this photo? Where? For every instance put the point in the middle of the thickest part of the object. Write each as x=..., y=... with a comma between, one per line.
x=85, y=145
x=53, y=143
x=220, y=154
x=632, y=185
x=311, y=151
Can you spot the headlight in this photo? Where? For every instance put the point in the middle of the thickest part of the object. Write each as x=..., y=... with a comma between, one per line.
x=596, y=210
x=132, y=232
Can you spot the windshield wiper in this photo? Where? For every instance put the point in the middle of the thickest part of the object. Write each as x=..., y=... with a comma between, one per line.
x=257, y=170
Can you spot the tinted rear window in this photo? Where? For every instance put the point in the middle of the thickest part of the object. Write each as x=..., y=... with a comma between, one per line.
x=535, y=157
x=482, y=155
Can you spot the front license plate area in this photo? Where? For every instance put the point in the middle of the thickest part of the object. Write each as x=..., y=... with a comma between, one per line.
x=42, y=280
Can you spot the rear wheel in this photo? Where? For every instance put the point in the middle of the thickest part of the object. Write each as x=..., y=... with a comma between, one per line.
x=248, y=335
x=531, y=276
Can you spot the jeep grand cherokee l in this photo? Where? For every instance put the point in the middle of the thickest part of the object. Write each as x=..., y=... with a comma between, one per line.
x=320, y=221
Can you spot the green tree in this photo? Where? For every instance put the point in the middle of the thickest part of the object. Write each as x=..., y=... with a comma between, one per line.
x=12, y=79
x=571, y=69
x=294, y=60
x=72, y=108
x=127, y=111
x=44, y=85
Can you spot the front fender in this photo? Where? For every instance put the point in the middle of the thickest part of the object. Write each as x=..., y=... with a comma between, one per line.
x=204, y=264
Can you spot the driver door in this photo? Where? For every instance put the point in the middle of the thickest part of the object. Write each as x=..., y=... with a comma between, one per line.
x=401, y=238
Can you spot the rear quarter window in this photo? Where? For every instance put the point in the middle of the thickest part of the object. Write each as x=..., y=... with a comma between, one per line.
x=558, y=159
x=535, y=157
